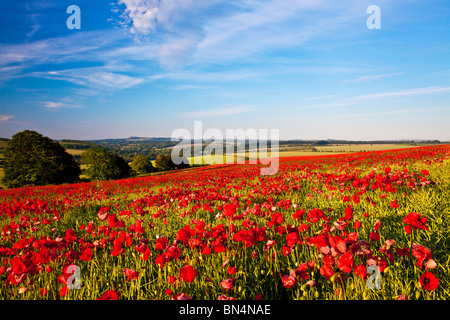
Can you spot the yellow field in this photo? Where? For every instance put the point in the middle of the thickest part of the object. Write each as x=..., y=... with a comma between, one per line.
x=302, y=151
x=361, y=147
x=74, y=152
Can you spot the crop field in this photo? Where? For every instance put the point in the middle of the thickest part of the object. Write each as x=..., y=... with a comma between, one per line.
x=356, y=226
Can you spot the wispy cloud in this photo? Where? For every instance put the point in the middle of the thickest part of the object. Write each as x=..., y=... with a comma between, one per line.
x=56, y=50
x=403, y=93
x=143, y=16
x=62, y=104
x=93, y=78
x=5, y=117
x=373, y=77
x=186, y=35
x=221, y=112
x=357, y=100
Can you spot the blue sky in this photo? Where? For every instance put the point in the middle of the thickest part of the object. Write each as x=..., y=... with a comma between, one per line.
x=310, y=68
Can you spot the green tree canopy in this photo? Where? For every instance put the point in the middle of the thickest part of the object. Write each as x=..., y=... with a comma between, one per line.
x=141, y=165
x=32, y=159
x=164, y=162
x=104, y=165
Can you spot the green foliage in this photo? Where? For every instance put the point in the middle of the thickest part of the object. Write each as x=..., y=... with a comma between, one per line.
x=104, y=165
x=165, y=163
x=141, y=165
x=77, y=144
x=32, y=159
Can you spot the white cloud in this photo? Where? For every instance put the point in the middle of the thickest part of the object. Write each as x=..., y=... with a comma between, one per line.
x=93, y=78
x=112, y=80
x=4, y=117
x=53, y=105
x=403, y=93
x=64, y=104
x=185, y=35
x=145, y=15
x=373, y=77
x=60, y=49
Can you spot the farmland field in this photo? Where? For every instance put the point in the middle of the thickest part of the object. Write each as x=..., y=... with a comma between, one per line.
x=307, y=151
x=347, y=226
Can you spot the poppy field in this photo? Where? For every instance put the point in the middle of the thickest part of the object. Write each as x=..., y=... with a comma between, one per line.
x=372, y=225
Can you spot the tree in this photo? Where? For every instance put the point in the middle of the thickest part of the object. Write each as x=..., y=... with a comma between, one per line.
x=32, y=159
x=141, y=165
x=164, y=162
x=104, y=165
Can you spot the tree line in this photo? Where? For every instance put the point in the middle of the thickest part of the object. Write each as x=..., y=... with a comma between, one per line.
x=31, y=159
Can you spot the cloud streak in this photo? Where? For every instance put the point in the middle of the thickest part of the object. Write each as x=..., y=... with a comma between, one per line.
x=373, y=77
x=403, y=93
x=5, y=117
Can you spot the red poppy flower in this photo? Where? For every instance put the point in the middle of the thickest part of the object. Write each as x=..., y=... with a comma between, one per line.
x=303, y=227
x=131, y=274
x=188, y=273
x=421, y=253
x=18, y=267
x=414, y=220
x=361, y=271
x=228, y=284
x=429, y=281
x=348, y=213
x=109, y=295
x=161, y=243
x=225, y=297
x=86, y=255
x=374, y=236
x=232, y=270
x=394, y=204
x=292, y=239
x=315, y=215
x=288, y=281
x=184, y=234
x=229, y=210
x=206, y=251
x=43, y=292
x=298, y=214
x=64, y=290
x=169, y=292
x=113, y=222
x=327, y=271
x=345, y=262
x=181, y=296
x=408, y=228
